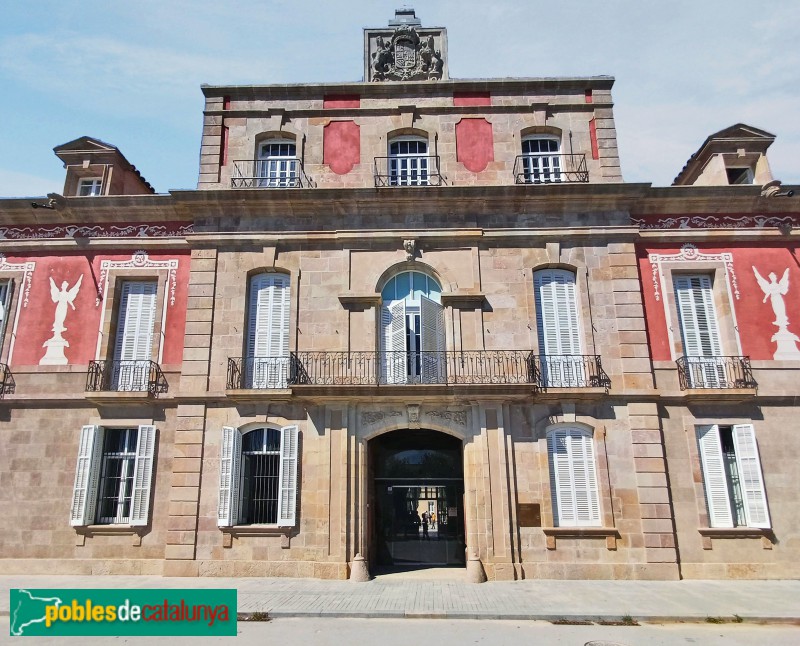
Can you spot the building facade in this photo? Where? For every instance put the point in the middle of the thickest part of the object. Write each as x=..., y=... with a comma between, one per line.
x=417, y=319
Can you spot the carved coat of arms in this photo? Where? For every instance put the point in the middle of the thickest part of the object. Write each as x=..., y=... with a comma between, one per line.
x=406, y=57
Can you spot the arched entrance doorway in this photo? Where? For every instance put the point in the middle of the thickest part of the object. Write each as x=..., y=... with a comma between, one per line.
x=417, y=499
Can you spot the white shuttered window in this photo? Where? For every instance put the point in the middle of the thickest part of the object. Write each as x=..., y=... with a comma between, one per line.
x=113, y=476
x=134, y=343
x=558, y=324
x=573, y=478
x=267, y=361
x=258, y=477
x=732, y=476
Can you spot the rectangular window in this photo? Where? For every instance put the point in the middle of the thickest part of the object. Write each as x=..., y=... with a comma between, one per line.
x=5, y=301
x=732, y=476
x=699, y=330
x=573, y=478
x=90, y=187
x=113, y=476
x=267, y=360
x=134, y=341
x=258, y=477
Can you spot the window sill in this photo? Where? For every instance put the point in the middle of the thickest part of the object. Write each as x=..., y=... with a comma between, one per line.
x=229, y=533
x=611, y=534
x=90, y=531
x=766, y=534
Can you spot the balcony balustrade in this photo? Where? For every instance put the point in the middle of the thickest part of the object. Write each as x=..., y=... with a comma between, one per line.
x=6, y=380
x=550, y=168
x=269, y=173
x=126, y=376
x=451, y=368
x=715, y=372
x=418, y=170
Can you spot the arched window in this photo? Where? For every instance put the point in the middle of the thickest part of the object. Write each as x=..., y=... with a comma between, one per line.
x=541, y=160
x=573, y=478
x=412, y=330
x=258, y=477
x=408, y=161
x=277, y=164
x=267, y=347
x=558, y=327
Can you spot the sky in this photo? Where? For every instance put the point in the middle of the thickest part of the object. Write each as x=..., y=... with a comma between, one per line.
x=129, y=73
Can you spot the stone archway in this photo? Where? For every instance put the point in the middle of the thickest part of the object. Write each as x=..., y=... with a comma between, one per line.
x=413, y=473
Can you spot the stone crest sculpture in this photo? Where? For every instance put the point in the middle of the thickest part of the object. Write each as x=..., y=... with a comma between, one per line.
x=406, y=57
x=775, y=290
x=55, y=345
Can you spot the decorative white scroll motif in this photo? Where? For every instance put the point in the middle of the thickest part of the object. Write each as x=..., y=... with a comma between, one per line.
x=54, y=356
x=775, y=290
x=97, y=231
x=690, y=253
x=714, y=222
x=25, y=293
x=139, y=260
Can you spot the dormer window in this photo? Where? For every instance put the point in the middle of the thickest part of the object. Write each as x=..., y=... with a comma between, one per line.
x=740, y=175
x=90, y=187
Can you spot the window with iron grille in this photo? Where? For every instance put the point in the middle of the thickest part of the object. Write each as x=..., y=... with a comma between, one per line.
x=541, y=160
x=732, y=476
x=116, y=475
x=258, y=477
x=277, y=164
x=408, y=162
x=113, y=476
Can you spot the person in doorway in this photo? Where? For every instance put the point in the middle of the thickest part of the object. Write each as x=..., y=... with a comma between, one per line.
x=425, y=526
x=433, y=520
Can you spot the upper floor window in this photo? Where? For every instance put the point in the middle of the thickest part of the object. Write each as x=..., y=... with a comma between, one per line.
x=133, y=346
x=573, y=478
x=408, y=162
x=541, y=160
x=738, y=175
x=699, y=329
x=258, y=477
x=558, y=327
x=277, y=165
x=732, y=476
x=267, y=345
x=5, y=300
x=412, y=330
x=90, y=187
x=113, y=476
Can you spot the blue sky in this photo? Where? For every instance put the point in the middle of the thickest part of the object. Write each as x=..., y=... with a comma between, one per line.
x=129, y=73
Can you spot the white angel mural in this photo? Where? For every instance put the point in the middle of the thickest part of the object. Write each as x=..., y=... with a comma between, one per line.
x=775, y=290
x=63, y=297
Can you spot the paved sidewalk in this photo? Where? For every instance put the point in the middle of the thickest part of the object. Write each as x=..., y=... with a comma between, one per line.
x=388, y=597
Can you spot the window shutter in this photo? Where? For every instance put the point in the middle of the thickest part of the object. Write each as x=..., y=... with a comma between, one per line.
x=573, y=478
x=432, y=341
x=5, y=298
x=393, y=320
x=229, y=470
x=716, y=483
x=87, y=476
x=287, y=500
x=137, y=315
x=558, y=328
x=751, y=478
x=143, y=475
x=697, y=315
x=268, y=330
x=561, y=479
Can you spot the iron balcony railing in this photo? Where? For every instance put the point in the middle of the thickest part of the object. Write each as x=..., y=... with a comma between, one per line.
x=715, y=372
x=418, y=170
x=125, y=376
x=6, y=380
x=451, y=368
x=550, y=168
x=269, y=173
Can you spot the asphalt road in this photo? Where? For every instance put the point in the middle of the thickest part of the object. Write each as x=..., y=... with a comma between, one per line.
x=414, y=632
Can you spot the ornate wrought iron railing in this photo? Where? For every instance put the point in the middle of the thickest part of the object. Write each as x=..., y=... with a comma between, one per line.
x=550, y=168
x=715, y=372
x=422, y=170
x=269, y=173
x=6, y=380
x=469, y=367
x=126, y=376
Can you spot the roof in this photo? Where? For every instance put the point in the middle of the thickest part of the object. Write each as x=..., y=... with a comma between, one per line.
x=85, y=144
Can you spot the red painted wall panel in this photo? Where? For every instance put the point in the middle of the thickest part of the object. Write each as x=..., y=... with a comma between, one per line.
x=330, y=101
x=82, y=323
x=467, y=99
x=474, y=144
x=341, y=146
x=593, y=138
x=754, y=316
